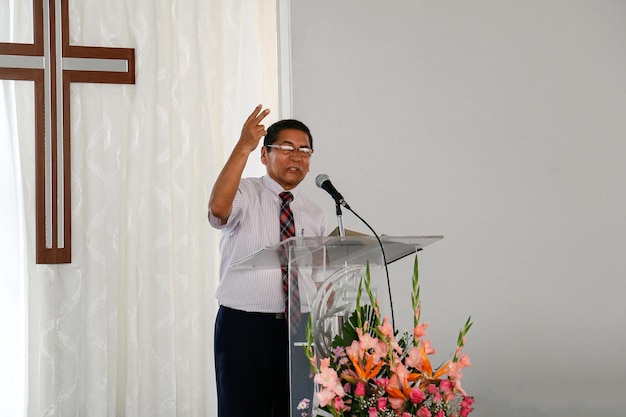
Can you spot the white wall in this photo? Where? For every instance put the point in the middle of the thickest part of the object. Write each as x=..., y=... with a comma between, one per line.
x=500, y=124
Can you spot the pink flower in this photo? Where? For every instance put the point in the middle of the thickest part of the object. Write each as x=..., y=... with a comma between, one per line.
x=338, y=404
x=382, y=382
x=466, y=406
x=386, y=329
x=325, y=397
x=414, y=358
x=420, y=330
x=434, y=391
x=367, y=341
x=440, y=413
x=423, y=412
x=402, y=372
x=445, y=386
x=304, y=404
x=373, y=412
x=437, y=398
x=339, y=351
x=428, y=348
x=467, y=401
x=382, y=403
x=417, y=395
x=454, y=371
x=457, y=384
x=354, y=350
x=359, y=391
x=396, y=403
x=405, y=414
x=464, y=361
x=380, y=351
x=328, y=378
x=450, y=396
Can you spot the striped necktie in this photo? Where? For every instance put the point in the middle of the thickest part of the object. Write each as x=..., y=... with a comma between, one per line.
x=290, y=280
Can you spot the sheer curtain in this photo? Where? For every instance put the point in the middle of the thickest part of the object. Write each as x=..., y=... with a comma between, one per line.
x=126, y=329
x=12, y=295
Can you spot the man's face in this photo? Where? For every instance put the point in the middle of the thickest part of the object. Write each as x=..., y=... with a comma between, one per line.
x=288, y=169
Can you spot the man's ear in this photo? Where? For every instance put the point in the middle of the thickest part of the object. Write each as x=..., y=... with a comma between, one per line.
x=264, y=155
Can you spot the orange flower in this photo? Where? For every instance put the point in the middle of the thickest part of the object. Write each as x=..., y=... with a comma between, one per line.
x=363, y=372
x=427, y=369
x=399, y=387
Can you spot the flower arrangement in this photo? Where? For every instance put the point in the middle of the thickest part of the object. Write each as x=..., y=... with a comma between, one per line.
x=373, y=373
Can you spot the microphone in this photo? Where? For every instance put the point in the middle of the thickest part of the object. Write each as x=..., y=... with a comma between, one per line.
x=323, y=181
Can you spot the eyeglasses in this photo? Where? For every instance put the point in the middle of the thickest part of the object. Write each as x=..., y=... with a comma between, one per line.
x=288, y=149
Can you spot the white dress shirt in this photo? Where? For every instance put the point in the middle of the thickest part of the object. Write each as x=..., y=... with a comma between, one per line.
x=254, y=224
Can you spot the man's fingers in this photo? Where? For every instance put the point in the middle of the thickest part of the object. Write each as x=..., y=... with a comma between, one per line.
x=252, y=129
x=261, y=115
x=257, y=115
x=254, y=113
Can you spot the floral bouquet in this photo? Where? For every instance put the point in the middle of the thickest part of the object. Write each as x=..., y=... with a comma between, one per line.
x=372, y=372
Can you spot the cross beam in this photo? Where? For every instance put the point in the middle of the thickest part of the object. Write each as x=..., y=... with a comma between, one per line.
x=52, y=73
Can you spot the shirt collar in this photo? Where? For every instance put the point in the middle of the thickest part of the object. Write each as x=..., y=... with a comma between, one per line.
x=275, y=188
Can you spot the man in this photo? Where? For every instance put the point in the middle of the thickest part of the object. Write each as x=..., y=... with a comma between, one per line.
x=251, y=332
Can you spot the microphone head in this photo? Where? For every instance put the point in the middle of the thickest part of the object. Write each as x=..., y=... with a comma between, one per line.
x=321, y=179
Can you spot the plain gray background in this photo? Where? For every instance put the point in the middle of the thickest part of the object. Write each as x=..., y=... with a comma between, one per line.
x=501, y=125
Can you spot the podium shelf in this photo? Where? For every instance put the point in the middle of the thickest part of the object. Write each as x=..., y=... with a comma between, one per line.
x=336, y=251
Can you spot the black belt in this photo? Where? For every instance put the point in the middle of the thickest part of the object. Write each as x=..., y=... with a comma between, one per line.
x=278, y=316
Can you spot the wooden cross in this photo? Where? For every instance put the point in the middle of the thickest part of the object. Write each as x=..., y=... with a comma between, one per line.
x=52, y=73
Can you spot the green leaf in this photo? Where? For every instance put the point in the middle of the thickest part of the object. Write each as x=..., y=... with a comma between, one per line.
x=349, y=329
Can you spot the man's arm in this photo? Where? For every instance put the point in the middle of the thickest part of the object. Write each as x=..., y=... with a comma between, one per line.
x=225, y=187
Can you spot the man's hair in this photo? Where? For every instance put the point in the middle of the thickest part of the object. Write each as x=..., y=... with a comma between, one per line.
x=276, y=128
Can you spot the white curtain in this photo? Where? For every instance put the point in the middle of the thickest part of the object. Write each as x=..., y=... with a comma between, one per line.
x=126, y=329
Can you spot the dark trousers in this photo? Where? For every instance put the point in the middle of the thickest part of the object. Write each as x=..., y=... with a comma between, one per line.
x=251, y=364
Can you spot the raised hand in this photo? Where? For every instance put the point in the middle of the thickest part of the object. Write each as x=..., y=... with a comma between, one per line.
x=253, y=130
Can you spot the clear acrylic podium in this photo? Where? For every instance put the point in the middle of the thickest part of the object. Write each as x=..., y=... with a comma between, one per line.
x=329, y=270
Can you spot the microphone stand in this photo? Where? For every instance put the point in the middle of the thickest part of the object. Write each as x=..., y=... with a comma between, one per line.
x=342, y=231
